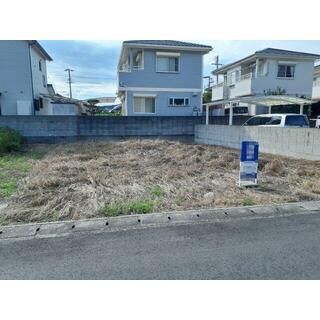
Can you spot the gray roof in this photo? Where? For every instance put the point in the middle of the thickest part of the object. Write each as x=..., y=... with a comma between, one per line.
x=266, y=52
x=167, y=43
x=274, y=51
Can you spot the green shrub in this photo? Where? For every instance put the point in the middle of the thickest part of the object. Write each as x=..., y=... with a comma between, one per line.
x=10, y=139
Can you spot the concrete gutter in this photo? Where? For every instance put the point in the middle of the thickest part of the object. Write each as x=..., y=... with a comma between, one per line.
x=62, y=228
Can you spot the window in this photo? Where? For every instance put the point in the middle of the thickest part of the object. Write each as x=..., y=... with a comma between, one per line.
x=40, y=66
x=44, y=80
x=274, y=121
x=286, y=71
x=40, y=103
x=167, y=63
x=297, y=121
x=178, y=102
x=144, y=105
x=138, y=60
x=36, y=104
x=258, y=121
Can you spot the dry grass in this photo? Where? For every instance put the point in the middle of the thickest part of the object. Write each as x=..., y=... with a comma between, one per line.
x=88, y=179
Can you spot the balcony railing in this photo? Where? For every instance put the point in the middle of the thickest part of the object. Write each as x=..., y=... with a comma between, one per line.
x=127, y=68
x=124, y=68
x=245, y=76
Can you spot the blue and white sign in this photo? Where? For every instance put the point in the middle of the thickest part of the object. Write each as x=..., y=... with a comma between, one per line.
x=249, y=158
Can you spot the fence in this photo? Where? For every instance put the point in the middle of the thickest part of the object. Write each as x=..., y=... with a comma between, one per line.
x=294, y=142
x=55, y=128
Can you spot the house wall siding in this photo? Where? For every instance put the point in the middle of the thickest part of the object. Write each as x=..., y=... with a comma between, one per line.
x=162, y=101
x=37, y=74
x=301, y=84
x=190, y=75
x=15, y=75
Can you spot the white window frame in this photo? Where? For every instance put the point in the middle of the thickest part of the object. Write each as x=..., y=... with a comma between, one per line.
x=179, y=106
x=145, y=96
x=167, y=55
x=286, y=64
x=142, y=59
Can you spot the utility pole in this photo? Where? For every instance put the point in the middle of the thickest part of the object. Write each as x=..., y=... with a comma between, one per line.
x=217, y=65
x=69, y=81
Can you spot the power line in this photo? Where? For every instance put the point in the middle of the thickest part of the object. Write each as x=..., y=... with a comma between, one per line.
x=69, y=80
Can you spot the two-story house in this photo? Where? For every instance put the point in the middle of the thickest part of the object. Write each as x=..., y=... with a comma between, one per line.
x=23, y=78
x=161, y=77
x=266, y=72
x=316, y=84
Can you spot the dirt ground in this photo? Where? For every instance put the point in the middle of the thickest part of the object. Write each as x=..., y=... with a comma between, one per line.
x=90, y=179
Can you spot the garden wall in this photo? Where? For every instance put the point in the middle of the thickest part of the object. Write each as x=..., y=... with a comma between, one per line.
x=57, y=128
x=293, y=142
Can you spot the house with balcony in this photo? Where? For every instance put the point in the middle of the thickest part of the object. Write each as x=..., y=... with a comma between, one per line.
x=267, y=72
x=161, y=77
x=316, y=84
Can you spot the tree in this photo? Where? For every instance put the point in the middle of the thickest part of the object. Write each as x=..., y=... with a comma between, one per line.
x=92, y=108
x=207, y=95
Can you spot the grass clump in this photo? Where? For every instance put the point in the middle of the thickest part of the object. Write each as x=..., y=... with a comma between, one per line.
x=15, y=162
x=7, y=187
x=13, y=167
x=10, y=140
x=248, y=202
x=135, y=207
x=157, y=191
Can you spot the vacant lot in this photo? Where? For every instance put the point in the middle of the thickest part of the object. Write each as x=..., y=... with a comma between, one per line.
x=90, y=179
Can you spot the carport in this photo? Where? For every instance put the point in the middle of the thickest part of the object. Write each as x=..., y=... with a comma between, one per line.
x=269, y=101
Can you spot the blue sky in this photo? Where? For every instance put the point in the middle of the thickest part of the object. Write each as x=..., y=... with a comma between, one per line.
x=95, y=62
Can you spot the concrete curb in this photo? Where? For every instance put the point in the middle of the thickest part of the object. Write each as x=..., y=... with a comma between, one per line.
x=52, y=229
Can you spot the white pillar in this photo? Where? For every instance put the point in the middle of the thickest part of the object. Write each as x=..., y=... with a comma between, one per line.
x=301, y=108
x=207, y=114
x=231, y=115
x=257, y=68
x=269, y=109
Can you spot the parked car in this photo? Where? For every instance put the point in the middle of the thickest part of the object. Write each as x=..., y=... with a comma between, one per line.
x=278, y=120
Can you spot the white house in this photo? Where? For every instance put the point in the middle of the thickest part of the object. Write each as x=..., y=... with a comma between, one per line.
x=316, y=84
x=265, y=73
x=23, y=78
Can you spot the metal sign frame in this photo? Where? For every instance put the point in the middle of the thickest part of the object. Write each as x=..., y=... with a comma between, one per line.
x=249, y=157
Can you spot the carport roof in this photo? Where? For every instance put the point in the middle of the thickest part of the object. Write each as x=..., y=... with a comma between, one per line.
x=274, y=100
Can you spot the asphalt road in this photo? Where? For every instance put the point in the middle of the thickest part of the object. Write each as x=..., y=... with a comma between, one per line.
x=262, y=248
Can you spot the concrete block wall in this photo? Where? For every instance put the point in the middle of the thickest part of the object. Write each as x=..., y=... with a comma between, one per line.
x=300, y=143
x=52, y=128
x=41, y=126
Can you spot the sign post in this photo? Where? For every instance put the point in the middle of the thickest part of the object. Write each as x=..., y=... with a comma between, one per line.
x=249, y=157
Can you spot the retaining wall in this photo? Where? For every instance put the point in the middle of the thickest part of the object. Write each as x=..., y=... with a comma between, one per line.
x=301, y=143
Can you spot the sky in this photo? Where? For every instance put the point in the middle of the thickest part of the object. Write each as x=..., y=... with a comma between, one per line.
x=95, y=62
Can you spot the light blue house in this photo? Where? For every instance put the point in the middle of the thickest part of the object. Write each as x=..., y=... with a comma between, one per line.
x=161, y=77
